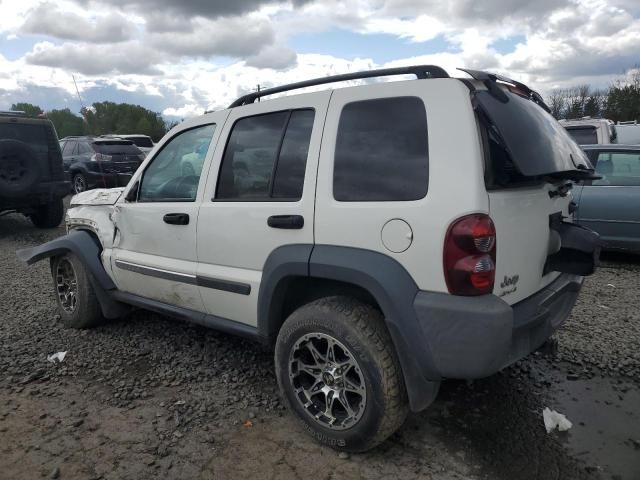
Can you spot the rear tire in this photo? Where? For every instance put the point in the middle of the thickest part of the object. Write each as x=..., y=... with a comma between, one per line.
x=354, y=363
x=77, y=302
x=49, y=215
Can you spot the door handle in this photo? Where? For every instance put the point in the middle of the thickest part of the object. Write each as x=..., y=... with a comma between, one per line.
x=176, y=218
x=288, y=222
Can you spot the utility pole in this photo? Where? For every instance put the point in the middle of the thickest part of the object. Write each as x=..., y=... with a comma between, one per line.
x=258, y=90
x=79, y=97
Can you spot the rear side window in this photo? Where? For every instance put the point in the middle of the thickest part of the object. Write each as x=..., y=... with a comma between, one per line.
x=382, y=151
x=70, y=147
x=584, y=135
x=266, y=156
x=618, y=168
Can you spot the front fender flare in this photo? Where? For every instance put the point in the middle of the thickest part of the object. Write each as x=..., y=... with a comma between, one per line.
x=87, y=248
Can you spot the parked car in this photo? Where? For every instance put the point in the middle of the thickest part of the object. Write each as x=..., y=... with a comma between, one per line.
x=628, y=133
x=31, y=174
x=336, y=227
x=587, y=130
x=143, y=142
x=611, y=205
x=99, y=162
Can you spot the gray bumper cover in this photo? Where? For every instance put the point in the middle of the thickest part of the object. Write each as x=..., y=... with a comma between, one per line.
x=474, y=337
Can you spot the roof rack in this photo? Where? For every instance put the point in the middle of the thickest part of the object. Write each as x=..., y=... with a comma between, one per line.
x=420, y=71
x=13, y=113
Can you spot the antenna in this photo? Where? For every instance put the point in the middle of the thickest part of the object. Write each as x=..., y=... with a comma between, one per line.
x=78, y=92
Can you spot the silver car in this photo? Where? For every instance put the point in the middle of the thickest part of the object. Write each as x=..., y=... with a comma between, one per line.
x=611, y=205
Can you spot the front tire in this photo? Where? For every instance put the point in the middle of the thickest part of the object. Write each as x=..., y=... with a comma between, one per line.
x=49, y=215
x=77, y=302
x=338, y=370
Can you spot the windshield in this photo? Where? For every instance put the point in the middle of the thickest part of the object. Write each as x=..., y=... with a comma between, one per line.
x=587, y=135
x=535, y=142
x=116, y=148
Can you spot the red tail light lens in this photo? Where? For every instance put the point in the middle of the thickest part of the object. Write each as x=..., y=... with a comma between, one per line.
x=470, y=255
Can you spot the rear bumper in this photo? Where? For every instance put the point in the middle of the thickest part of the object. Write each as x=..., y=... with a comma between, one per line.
x=474, y=337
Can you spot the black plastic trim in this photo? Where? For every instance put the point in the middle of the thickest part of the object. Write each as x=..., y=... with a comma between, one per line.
x=157, y=272
x=224, y=285
x=206, y=320
x=282, y=266
x=200, y=280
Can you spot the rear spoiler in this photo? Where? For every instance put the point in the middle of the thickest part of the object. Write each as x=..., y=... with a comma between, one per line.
x=490, y=81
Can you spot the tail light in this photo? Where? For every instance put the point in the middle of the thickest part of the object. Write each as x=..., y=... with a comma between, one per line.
x=470, y=255
x=101, y=157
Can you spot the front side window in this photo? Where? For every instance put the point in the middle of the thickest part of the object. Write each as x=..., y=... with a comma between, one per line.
x=382, y=151
x=618, y=168
x=266, y=156
x=174, y=173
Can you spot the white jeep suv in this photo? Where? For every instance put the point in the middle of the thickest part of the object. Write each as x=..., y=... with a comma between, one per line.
x=381, y=237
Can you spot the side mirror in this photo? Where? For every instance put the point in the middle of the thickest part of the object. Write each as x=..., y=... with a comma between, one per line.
x=132, y=194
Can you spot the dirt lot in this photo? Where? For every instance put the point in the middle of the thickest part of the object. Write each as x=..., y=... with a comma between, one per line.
x=148, y=397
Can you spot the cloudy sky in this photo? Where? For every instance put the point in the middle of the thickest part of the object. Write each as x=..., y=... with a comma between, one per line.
x=180, y=57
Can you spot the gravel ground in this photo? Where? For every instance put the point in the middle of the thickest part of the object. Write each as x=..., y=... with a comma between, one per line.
x=147, y=396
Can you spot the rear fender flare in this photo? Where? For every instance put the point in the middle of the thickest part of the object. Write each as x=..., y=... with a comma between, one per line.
x=388, y=283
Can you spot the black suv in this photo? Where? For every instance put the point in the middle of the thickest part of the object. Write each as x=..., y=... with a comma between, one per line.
x=99, y=162
x=32, y=178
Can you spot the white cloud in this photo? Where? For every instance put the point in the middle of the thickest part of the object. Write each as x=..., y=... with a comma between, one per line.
x=48, y=19
x=190, y=55
x=186, y=111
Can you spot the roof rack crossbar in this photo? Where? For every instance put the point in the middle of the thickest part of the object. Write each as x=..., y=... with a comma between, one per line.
x=420, y=71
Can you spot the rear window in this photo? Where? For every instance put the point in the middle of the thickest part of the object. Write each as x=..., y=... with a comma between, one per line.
x=587, y=135
x=144, y=142
x=382, y=151
x=33, y=135
x=531, y=143
x=116, y=148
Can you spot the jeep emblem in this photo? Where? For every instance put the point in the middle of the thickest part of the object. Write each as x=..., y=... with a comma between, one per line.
x=509, y=281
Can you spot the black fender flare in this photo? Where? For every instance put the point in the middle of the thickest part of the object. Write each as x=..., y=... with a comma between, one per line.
x=87, y=248
x=384, y=278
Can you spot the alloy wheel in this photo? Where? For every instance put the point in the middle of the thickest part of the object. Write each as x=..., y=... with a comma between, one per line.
x=79, y=184
x=66, y=285
x=327, y=381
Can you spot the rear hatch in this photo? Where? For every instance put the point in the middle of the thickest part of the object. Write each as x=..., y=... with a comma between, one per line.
x=530, y=164
x=118, y=156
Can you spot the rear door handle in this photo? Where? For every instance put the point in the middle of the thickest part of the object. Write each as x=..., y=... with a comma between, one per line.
x=288, y=222
x=176, y=218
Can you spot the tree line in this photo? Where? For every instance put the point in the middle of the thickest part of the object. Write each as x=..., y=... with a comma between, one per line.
x=618, y=102
x=103, y=118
